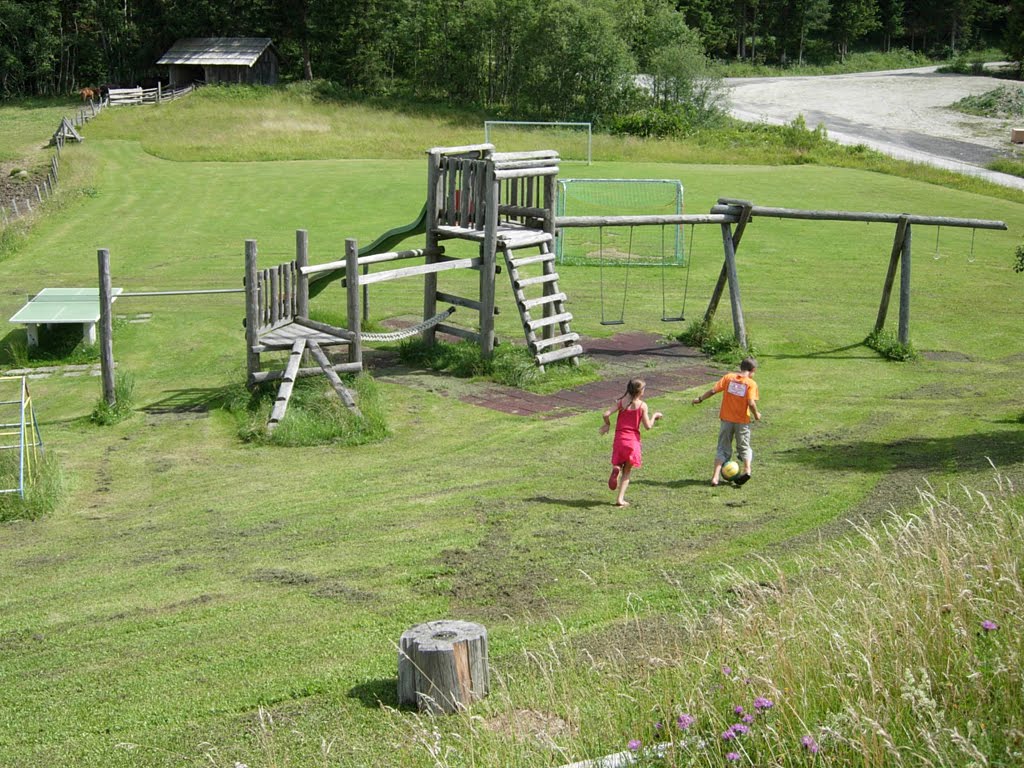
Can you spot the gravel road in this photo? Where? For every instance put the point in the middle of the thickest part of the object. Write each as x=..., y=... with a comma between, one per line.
x=903, y=113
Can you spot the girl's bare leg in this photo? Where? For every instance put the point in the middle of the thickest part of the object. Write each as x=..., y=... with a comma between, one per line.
x=627, y=468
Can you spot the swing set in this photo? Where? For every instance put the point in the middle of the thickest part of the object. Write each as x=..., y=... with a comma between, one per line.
x=733, y=215
x=664, y=265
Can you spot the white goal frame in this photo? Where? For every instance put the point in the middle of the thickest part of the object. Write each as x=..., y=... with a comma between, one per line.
x=548, y=124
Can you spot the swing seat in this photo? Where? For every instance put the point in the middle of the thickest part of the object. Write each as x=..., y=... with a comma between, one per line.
x=673, y=319
x=613, y=322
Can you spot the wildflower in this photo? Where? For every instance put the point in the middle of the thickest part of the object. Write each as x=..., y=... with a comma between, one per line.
x=810, y=744
x=748, y=719
x=634, y=745
x=989, y=626
x=739, y=729
x=762, y=703
x=738, y=709
x=732, y=756
x=684, y=721
x=728, y=734
x=658, y=726
x=727, y=671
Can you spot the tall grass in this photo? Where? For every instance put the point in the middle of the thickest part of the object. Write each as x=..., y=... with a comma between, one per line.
x=901, y=646
x=872, y=61
x=44, y=488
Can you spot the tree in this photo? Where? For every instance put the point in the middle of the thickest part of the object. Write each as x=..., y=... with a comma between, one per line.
x=851, y=20
x=890, y=17
x=1013, y=42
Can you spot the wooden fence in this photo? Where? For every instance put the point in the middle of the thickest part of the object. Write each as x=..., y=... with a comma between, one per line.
x=68, y=131
x=120, y=97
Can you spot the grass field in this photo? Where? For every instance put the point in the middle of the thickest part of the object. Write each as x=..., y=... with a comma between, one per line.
x=198, y=600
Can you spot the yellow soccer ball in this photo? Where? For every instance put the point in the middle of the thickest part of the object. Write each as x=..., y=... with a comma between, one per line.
x=730, y=469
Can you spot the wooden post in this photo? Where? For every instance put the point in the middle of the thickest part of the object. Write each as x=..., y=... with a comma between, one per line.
x=904, y=330
x=716, y=294
x=430, y=280
x=442, y=666
x=252, y=311
x=890, y=276
x=355, y=348
x=487, y=257
x=159, y=92
x=739, y=327
x=106, y=328
x=301, y=260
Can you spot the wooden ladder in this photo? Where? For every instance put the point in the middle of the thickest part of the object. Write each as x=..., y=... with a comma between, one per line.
x=550, y=346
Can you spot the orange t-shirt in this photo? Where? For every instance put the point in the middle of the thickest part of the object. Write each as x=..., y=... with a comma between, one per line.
x=738, y=392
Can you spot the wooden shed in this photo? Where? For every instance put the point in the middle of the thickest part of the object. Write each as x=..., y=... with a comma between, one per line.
x=251, y=60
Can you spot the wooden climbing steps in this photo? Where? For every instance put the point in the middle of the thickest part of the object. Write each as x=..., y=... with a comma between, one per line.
x=545, y=311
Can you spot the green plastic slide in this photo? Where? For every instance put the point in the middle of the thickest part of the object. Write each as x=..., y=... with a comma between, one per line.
x=382, y=244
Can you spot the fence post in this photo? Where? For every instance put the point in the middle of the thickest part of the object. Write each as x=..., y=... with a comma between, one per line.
x=106, y=328
x=355, y=348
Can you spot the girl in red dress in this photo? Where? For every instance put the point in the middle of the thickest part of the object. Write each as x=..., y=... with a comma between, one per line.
x=631, y=412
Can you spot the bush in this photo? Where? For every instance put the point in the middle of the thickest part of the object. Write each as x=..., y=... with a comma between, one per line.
x=886, y=344
x=105, y=414
x=719, y=346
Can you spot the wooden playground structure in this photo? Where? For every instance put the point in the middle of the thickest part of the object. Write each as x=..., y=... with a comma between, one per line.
x=505, y=203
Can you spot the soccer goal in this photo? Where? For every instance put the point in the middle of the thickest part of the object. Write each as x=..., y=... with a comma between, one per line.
x=572, y=141
x=637, y=245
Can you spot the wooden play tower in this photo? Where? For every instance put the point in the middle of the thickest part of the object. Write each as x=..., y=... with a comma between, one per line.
x=505, y=202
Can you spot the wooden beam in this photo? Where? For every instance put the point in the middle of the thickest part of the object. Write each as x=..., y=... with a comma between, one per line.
x=739, y=326
x=890, y=275
x=562, y=222
x=284, y=392
x=106, y=327
x=904, y=329
x=252, y=309
x=330, y=330
x=341, y=390
x=728, y=206
x=716, y=295
x=355, y=349
x=423, y=269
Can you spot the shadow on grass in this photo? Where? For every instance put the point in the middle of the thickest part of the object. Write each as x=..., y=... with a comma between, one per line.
x=373, y=693
x=188, y=401
x=867, y=354
x=683, y=483
x=577, y=503
x=960, y=452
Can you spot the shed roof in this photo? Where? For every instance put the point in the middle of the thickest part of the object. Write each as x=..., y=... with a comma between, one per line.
x=238, y=51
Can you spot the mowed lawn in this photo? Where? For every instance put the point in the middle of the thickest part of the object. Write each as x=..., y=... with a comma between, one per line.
x=192, y=579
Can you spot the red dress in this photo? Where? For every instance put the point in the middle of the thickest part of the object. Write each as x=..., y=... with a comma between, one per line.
x=627, y=437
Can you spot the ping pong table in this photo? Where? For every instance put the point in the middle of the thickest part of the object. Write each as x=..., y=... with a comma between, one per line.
x=60, y=306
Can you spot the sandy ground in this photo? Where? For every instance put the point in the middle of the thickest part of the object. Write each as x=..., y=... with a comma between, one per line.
x=904, y=113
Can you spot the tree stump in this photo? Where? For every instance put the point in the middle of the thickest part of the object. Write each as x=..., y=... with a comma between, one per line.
x=442, y=666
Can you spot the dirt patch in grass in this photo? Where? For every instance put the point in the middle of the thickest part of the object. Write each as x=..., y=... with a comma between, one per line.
x=529, y=725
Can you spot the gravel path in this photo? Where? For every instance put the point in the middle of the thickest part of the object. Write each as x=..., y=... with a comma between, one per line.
x=903, y=113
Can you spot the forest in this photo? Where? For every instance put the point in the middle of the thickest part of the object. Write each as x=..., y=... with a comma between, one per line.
x=546, y=59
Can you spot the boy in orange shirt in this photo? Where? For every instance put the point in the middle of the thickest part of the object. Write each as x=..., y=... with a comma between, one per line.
x=739, y=400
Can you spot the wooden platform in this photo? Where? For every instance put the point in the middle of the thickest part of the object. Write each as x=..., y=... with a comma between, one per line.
x=285, y=335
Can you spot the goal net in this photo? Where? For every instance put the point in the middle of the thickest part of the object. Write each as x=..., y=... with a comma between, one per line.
x=638, y=245
x=572, y=141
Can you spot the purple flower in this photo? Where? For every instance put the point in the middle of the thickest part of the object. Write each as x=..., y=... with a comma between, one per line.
x=634, y=745
x=728, y=734
x=727, y=671
x=739, y=729
x=732, y=755
x=748, y=718
x=762, y=703
x=684, y=721
x=738, y=709
x=658, y=726
x=810, y=744
x=989, y=626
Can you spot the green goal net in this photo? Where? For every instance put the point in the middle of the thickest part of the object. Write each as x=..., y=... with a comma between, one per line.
x=638, y=245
